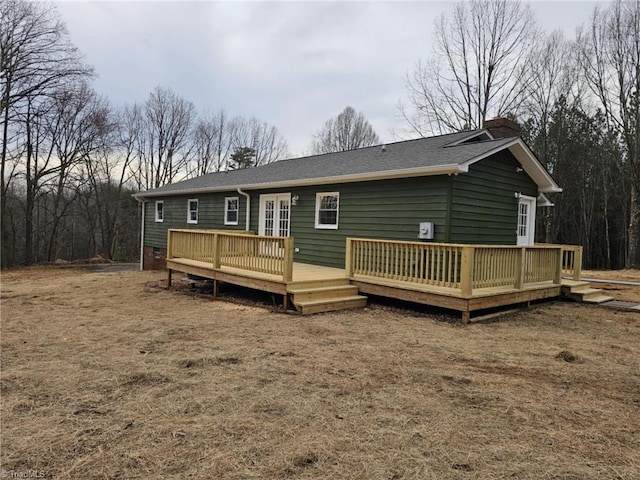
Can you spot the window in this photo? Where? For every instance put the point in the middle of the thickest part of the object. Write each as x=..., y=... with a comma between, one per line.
x=231, y=207
x=327, y=210
x=159, y=211
x=192, y=211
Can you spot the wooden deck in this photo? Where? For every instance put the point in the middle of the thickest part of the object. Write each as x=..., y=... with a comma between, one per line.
x=304, y=275
x=312, y=288
x=466, y=278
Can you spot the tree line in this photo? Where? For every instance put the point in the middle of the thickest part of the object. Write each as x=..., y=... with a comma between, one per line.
x=577, y=100
x=71, y=160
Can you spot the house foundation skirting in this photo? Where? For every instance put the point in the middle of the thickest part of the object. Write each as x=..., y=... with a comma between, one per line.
x=154, y=258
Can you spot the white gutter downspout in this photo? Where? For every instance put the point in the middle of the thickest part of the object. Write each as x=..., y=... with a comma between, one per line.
x=248, y=213
x=143, y=203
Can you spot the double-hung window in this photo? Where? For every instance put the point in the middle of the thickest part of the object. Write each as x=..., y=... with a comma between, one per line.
x=192, y=211
x=159, y=210
x=327, y=205
x=231, y=207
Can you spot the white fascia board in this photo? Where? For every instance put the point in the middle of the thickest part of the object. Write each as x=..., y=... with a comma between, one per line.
x=450, y=169
x=543, y=201
x=529, y=163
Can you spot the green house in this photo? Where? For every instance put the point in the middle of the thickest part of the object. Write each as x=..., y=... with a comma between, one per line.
x=480, y=187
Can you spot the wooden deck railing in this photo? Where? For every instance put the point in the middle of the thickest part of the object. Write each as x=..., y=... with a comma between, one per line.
x=572, y=261
x=431, y=264
x=243, y=250
x=461, y=267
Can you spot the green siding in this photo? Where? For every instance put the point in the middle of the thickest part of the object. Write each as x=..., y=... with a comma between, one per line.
x=387, y=209
x=484, y=206
x=210, y=215
x=475, y=207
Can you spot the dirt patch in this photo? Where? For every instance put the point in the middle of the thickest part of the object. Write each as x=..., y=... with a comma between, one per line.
x=107, y=376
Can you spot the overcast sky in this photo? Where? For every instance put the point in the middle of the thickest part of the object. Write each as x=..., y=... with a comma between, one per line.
x=291, y=64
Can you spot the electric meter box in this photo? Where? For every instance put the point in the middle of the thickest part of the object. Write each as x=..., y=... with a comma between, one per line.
x=426, y=231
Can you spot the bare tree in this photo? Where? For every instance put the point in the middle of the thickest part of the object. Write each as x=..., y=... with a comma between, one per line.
x=479, y=67
x=165, y=141
x=348, y=131
x=216, y=138
x=610, y=59
x=213, y=143
x=77, y=125
x=554, y=83
x=554, y=75
x=264, y=140
x=36, y=59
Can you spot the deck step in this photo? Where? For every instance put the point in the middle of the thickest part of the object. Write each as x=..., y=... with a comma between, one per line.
x=320, y=293
x=583, y=292
x=597, y=299
x=330, y=304
x=316, y=284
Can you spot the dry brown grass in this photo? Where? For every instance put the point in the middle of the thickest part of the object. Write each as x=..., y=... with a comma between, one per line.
x=104, y=376
x=619, y=292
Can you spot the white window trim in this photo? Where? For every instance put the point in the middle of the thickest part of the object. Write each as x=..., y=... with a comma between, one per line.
x=189, y=220
x=226, y=210
x=159, y=202
x=322, y=226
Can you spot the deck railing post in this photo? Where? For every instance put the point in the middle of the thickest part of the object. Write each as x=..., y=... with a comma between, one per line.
x=169, y=241
x=577, y=264
x=287, y=274
x=521, y=269
x=466, y=271
x=558, y=276
x=216, y=251
x=348, y=263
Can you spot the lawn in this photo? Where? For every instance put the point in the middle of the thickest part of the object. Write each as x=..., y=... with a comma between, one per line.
x=108, y=376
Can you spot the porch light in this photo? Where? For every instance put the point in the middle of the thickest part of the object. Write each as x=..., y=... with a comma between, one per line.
x=294, y=199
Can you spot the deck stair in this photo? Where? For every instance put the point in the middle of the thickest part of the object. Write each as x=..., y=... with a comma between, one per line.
x=582, y=292
x=316, y=298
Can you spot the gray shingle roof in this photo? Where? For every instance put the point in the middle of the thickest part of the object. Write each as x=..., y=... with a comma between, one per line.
x=433, y=154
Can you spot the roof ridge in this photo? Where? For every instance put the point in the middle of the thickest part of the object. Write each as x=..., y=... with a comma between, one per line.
x=384, y=144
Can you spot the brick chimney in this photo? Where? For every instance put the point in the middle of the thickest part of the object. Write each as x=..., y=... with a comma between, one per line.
x=501, y=127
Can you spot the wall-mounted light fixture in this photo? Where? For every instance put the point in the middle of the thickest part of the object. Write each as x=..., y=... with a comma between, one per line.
x=519, y=169
x=294, y=199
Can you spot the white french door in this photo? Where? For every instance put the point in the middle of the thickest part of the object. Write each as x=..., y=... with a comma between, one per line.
x=526, y=227
x=275, y=215
x=275, y=221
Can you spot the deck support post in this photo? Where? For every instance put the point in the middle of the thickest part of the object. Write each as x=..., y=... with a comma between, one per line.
x=285, y=301
x=169, y=278
x=466, y=316
x=216, y=287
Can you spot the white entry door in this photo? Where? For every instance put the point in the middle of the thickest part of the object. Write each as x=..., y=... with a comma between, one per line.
x=526, y=228
x=275, y=215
